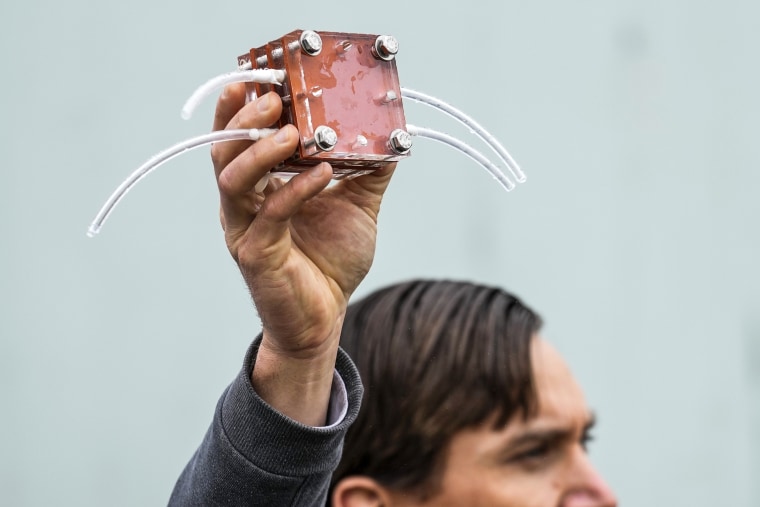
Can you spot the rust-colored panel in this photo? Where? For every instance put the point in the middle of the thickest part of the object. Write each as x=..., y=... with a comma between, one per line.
x=345, y=87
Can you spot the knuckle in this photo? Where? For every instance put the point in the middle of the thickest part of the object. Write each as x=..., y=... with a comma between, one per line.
x=226, y=183
x=234, y=122
x=235, y=251
x=216, y=153
x=237, y=119
x=226, y=94
x=268, y=207
x=222, y=220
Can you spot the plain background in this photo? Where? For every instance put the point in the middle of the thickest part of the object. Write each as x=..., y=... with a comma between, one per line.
x=635, y=236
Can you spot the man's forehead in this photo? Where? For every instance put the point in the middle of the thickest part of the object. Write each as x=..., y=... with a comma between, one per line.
x=560, y=397
x=561, y=404
x=562, y=410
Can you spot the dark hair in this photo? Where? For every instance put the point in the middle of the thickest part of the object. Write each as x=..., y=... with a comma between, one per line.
x=435, y=357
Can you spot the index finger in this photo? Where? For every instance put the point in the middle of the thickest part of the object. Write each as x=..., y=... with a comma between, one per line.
x=231, y=100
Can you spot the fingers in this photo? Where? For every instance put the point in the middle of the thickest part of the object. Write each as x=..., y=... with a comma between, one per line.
x=375, y=182
x=261, y=113
x=231, y=100
x=279, y=207
x=241, y=174
x=367, y=190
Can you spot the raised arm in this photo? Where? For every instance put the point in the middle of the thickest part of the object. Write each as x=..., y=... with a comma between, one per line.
x=302, y=248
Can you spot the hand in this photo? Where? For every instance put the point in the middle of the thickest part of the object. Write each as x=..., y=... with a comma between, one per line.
x=302, y=248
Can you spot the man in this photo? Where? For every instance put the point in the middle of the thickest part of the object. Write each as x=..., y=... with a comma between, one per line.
x=465, y=404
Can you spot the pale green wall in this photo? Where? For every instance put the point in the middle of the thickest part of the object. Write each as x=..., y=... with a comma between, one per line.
x=636, y=236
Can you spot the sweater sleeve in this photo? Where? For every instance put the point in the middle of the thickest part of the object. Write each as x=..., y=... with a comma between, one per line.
x=253, y=455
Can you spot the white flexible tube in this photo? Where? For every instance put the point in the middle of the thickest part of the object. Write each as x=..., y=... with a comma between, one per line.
x=272, y=76
x=160, y=158
x=470, y=123
x=463, y=147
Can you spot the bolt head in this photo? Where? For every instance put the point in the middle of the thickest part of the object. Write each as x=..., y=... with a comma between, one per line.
x=400, y=141
x=311, y=42
x=386, y=47
x=325, y=138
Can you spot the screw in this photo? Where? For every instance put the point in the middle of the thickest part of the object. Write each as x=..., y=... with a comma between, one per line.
x=344, y=47
x=386, y=47
x=311, y=42
x=325, y=138
x=400, y=141
x=361, y=142
x=389, y=97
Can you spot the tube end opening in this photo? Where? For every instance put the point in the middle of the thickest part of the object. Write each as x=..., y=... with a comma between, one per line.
x=92, y=231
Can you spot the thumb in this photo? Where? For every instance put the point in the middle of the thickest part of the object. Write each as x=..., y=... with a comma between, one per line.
x=273, y=219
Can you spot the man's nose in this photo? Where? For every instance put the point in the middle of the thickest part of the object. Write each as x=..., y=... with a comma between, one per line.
x=585, y=487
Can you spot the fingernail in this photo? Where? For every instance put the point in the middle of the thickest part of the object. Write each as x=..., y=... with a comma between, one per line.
x=263, y=104
x=281, y=136
x=317, y=171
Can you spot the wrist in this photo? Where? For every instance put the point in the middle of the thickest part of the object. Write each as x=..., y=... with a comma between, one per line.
x=297, y=381
x=300, y=367
x=304, y=339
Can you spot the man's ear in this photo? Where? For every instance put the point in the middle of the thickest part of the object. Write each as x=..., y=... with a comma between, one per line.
x=359, y=491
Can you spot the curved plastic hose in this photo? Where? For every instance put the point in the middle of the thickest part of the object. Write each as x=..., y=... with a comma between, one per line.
x=160, y=158
x=272, y=76
x=470, y=123
x=468, y=150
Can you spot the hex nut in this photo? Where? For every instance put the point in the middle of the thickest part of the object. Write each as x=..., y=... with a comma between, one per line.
x=386, y=47
x=311, y=42
x=325, y=138
x=400, y=141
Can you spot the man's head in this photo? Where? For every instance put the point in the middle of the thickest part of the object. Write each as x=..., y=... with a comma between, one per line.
x=464, y=405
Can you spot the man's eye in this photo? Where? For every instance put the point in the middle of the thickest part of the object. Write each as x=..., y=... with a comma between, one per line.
x=536, y=453
x=586, y=439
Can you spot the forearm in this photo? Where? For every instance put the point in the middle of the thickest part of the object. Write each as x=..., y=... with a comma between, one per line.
x=297, y=386
x=254, y=455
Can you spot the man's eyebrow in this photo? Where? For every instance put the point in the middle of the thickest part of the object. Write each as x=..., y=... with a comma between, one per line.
x=556, y=434
x=534, y=436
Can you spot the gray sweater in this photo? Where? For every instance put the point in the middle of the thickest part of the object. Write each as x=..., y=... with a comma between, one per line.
x=253, y=455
